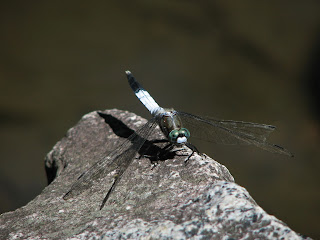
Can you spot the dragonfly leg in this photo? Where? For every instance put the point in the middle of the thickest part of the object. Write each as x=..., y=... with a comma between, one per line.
x=169, y=148
x=154, y=164
x=151, y=148
x=159, y=141
x=160, y=156
x=193, y=149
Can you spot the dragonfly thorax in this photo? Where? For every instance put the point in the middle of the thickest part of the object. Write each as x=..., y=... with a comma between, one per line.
x=171, y=126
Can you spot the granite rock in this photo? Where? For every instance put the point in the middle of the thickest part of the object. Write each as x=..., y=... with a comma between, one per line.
x=167, y=200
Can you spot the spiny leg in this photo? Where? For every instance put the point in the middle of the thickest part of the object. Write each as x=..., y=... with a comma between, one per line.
x=166, y=149
x=193, y=149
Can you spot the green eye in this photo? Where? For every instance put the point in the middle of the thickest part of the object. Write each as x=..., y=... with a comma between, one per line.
x=173, y=135
x=185, y=132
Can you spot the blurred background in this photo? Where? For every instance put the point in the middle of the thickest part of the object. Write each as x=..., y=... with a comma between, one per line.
x=251, y=61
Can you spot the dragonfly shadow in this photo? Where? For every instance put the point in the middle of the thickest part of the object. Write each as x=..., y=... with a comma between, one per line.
x=149, y=149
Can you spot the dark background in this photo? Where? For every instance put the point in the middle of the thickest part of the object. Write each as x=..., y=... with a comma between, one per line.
x=241, y=60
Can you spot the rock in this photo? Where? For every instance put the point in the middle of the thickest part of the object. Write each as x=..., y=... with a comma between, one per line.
x=169, y=200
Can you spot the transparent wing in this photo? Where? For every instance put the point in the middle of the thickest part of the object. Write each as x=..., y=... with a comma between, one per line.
x=119, y=160
x=230, y=132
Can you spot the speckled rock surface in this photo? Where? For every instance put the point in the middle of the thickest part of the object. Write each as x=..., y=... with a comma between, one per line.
x=172, y=200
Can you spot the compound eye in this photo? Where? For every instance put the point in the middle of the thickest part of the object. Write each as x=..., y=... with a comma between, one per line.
x=173, y=135
x=184, y=132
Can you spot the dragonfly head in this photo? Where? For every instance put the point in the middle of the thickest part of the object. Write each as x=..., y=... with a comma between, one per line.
x=179, y=136
x=171, y=126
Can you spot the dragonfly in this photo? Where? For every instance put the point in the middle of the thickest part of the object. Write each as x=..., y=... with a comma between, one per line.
x=177, y=127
